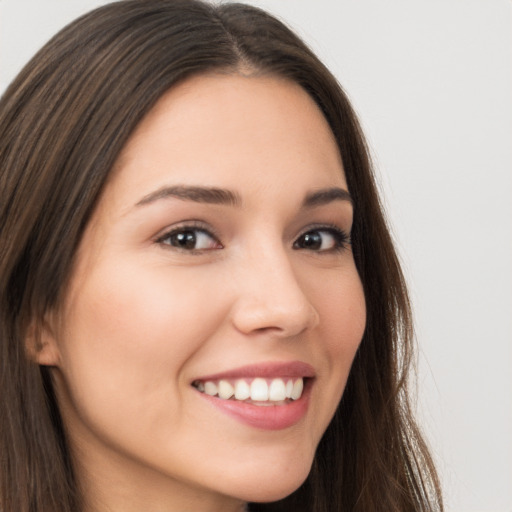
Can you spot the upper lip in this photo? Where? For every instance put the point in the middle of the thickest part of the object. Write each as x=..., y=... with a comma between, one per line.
x=269, y=370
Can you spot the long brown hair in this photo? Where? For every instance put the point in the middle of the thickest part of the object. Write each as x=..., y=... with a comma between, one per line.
x=63, y=123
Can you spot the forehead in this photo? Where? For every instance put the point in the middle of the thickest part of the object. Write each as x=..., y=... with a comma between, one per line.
x=226, y=130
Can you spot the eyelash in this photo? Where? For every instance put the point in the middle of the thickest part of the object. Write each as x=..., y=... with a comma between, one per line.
x=190, y=227
x=341, y=238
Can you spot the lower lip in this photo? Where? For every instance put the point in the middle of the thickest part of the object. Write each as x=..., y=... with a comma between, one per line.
x=275, y=417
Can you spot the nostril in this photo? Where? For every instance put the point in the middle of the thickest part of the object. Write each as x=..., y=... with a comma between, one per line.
x=282, y=321
x=272, y=301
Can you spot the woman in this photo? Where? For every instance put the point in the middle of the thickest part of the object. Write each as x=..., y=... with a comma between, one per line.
x=201, y=305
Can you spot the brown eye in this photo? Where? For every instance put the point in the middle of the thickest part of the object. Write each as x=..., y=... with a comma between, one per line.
x=320, y=240
x=190, y=239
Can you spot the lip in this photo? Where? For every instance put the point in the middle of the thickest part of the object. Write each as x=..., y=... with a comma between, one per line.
x=275, y=417
x=268, y=370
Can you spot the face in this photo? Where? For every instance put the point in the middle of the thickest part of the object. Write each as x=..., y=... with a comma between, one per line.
x=218, y=262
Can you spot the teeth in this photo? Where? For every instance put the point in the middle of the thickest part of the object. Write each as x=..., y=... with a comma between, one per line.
x=298, y=386
x=258, y=390
x=289, y=388
x=210, y=388
x=277, y=391
x=242, y=390
x=225, y=390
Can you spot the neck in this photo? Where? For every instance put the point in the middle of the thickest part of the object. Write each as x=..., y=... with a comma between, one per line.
x=114, y=488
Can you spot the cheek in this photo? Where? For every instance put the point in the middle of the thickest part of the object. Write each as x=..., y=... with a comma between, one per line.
x=132, y=335
x=342, y=310
x=347, y=321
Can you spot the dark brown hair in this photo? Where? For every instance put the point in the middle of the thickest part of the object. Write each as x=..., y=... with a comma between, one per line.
x=63, y=123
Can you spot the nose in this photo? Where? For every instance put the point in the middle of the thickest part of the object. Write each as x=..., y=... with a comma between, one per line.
x=270, y=299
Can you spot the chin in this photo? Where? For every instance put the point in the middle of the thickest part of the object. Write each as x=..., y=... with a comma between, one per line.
x=267, y=487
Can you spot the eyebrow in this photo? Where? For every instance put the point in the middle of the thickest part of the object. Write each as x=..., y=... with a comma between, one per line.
x=326, y=196
x=212, y=195
x=207, y=195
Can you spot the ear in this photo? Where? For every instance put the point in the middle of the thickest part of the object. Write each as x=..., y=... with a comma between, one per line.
x=41, y=343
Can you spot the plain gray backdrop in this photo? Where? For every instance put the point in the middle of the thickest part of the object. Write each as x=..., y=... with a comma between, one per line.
x=432, y=82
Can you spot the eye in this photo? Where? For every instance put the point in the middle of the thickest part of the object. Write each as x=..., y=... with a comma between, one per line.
x=188, y=238
x=325, y=239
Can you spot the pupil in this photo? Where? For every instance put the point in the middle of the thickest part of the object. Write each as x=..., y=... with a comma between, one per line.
x=186, y=240
x=312, y=241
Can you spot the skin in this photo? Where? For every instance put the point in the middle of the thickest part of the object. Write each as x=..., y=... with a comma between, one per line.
x=142, y=318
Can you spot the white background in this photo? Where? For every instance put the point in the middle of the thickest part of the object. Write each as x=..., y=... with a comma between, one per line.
x=432, y=82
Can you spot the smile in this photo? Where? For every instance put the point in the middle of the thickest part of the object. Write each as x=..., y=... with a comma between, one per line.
x=266, y=396
x=257, y=391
